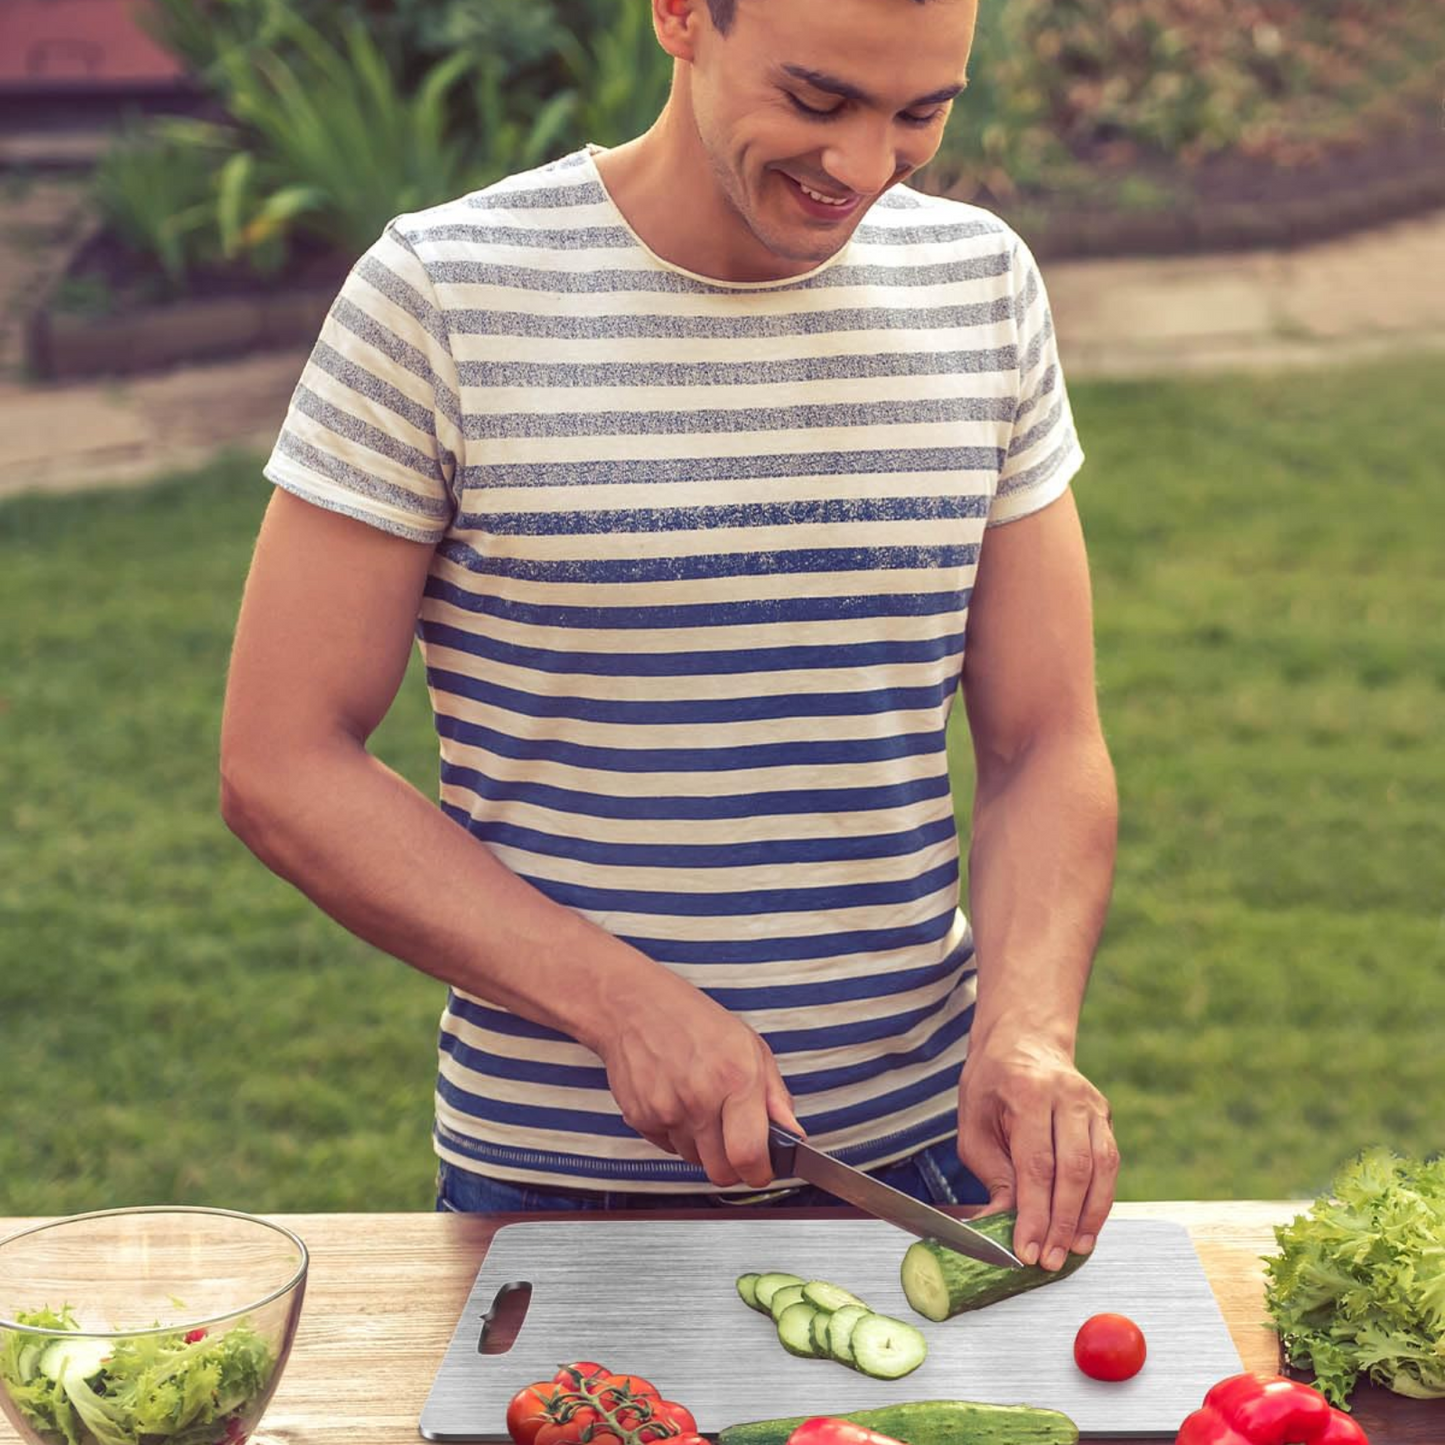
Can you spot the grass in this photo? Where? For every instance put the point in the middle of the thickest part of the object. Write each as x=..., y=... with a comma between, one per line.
x=176, y=1024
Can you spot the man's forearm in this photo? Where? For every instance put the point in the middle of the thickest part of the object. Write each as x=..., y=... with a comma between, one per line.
x=1041, y=866
x=389, y=866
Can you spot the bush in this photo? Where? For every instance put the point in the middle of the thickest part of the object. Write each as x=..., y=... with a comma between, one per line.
x=424, y=100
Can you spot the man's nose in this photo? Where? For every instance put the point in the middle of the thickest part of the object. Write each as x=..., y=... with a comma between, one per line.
x=863, y=157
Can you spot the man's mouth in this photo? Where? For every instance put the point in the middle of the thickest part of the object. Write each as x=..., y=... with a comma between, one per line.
x=821, y=203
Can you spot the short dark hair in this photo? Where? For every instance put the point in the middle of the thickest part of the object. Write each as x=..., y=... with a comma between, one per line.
x=723, y=11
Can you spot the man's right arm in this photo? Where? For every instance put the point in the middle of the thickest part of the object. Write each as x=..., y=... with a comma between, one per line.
x=325, y=631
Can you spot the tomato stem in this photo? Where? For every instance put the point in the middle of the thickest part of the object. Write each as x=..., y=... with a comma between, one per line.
x=609, y=1402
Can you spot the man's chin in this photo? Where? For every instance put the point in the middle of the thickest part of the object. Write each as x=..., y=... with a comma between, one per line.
x=802, y=251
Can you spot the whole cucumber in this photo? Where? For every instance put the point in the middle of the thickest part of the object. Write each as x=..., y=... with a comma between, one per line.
x=931, y=1422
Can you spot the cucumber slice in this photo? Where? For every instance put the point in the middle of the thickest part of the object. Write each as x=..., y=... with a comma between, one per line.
x=840, y=1330
x=789, y=1294
x=795, y=1329
x=886, y=1348
x=828, y=1296
x=768, y=1283
x=28, y=1364
x=746, y=1291
x=74, y=1359
x=820, y=1332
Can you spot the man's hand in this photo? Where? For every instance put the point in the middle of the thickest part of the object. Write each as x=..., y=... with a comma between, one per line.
x=696, y=1081
x=1038, y=1135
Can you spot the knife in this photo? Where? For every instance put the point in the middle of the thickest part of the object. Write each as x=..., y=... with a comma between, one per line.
x=790, y=1155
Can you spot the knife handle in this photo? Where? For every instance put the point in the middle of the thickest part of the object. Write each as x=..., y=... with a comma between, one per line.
x=782, y=1149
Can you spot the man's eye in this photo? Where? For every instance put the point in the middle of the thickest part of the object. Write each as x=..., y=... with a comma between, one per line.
x=912, y=118
x=811, y=109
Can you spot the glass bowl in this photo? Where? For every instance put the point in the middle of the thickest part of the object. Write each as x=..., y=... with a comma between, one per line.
x=164, y=1325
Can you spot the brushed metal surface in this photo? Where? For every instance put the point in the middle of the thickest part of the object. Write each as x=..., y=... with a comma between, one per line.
x=658, y=1298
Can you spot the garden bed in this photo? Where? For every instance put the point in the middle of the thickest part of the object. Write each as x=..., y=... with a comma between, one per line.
x=1152, y=206
x=103, y=315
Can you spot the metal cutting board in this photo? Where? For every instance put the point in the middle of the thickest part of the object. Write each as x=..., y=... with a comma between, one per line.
x=658, y=1298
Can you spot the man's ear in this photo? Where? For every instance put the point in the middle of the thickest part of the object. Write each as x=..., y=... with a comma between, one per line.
x=677, y=24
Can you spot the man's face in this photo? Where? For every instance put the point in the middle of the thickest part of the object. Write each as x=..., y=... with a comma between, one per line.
x=808, y=110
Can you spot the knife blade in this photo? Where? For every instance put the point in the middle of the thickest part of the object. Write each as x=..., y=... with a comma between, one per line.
x=791, y=1155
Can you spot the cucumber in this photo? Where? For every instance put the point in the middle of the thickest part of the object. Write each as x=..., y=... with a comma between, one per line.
x=766, y=1284
x=820, y=1332
x=885, y=1348
x=74, y=1359
x=840, y=1331
x=789, y=1294
x=931, y=1422
x=27, y=1365
x=795, y=1329
x=829, y=1296
x=747, y=1291
x=940, y=1283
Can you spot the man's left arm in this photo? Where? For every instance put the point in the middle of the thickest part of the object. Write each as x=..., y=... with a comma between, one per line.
x=1041, y=863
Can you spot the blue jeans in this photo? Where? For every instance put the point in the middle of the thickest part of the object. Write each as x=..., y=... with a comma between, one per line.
x=935, y=1174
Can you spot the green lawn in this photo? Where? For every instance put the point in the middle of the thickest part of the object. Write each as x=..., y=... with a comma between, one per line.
x=175, y=1024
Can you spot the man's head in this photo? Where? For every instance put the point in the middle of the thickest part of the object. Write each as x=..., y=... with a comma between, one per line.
x=805, y=111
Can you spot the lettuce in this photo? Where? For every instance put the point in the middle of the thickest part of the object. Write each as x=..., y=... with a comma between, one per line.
x=1359, y=1284
x=153, y=1387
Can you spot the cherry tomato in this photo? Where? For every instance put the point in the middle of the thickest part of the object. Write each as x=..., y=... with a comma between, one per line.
x=674, y=1414
x=1109, y=1347
x=689, y=1438
x=568, y=1431
x=586, y=1369
x=617, y=1390
x=527, y=1412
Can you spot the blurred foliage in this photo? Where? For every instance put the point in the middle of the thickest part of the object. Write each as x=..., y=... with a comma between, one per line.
x=1063, y=87
x=333, y=116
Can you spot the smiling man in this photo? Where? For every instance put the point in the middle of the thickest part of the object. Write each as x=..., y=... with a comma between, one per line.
x=708, y=470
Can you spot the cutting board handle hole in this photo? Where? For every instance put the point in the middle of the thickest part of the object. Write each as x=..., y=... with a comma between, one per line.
x=501, y=1323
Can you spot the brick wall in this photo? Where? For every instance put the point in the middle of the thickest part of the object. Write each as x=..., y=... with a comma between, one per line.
x=84, y=47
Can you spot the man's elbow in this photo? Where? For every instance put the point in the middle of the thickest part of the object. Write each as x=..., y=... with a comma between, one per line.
x=250, y=793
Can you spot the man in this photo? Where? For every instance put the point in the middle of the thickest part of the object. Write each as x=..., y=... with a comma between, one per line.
x=690, y=463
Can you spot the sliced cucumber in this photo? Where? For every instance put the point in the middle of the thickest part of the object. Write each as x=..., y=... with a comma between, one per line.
x=746, y=1291
x=768, y=1283
x=828, y=1296
x=80, y=1359
x=28, y=1364
x=795, y=1329
x=886, y=1348
x=840, y=1331
x=820, y=1332
x=789, y=1294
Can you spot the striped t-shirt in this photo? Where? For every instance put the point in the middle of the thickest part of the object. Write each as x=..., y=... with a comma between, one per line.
x=696, y=620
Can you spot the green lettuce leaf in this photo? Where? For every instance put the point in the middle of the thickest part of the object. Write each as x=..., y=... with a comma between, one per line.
x=156, y=1387
x=1358, y=1286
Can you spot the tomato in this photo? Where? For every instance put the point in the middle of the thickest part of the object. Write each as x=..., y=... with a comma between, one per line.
x=587, y=1369
x=568, y=1431
x=527, y=1412
x=689, y=1438
x=1109, y=1347
x=624, y=1387
x=675, y=1414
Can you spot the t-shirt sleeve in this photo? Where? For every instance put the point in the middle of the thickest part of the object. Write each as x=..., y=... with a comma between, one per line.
x=1043, y=452
x=373, y=429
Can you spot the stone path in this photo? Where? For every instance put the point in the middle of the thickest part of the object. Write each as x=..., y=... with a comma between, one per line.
x=1379, y=293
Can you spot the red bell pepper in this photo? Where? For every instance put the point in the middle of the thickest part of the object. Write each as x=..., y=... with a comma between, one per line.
x=830, y=1430
x=1268, y=1410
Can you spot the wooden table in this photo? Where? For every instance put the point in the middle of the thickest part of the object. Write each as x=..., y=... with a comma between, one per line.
x=386, y=1290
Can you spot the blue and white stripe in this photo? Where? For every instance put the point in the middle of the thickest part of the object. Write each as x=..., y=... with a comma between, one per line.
x=696, y=619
